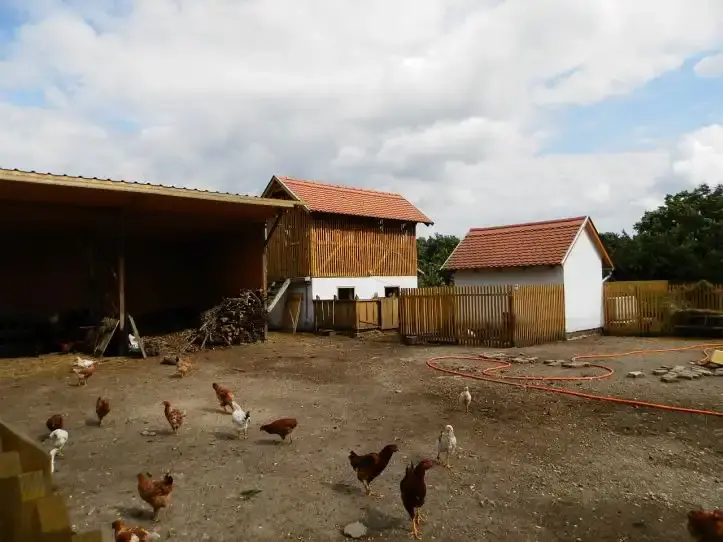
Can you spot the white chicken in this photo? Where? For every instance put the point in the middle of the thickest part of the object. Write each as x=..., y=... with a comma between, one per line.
x=58, y=438
x=241, y=419
x=465, y=398
x=53, y=453
x=82, y=363
x=447, y=444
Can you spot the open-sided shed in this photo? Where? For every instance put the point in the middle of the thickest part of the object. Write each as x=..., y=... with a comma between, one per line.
x=94, y=248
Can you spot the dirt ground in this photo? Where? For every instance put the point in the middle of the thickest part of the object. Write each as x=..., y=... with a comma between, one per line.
x=533, y=466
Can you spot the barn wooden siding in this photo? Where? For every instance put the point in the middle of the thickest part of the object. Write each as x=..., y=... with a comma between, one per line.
x=288, y=253
x=361, y=247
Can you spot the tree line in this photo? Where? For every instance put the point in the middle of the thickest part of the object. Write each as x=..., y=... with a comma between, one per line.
x=680, y=241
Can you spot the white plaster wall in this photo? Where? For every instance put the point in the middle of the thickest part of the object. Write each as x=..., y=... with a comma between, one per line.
x=528, y=275
x=364, y=287
x=583, y=286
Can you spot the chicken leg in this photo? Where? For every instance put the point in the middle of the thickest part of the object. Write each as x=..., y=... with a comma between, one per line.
x=415, y=527
x=369, y=492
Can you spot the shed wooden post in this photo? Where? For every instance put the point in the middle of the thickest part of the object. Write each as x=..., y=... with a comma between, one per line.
x=264, y=267
x=122, y=286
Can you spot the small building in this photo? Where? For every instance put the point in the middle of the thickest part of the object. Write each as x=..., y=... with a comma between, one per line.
x=84, y=249
x=567, y=251
x=342, y=243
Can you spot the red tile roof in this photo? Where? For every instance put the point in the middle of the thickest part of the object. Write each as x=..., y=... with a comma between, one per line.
x=344, y=200
x=521, y=245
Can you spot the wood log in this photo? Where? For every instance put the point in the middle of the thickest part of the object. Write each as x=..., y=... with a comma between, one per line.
x=236, y=320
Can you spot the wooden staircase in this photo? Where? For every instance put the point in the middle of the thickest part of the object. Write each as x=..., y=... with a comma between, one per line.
x=276, y=292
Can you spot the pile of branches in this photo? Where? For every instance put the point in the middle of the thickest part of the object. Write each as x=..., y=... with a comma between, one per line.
x=172, y=343
x=236, y=320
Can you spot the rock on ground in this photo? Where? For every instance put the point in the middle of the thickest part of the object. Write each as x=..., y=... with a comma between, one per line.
x=355, y=530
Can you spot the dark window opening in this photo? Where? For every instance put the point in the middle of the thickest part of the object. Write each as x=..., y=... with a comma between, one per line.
x=345, y=294
x=391, y=291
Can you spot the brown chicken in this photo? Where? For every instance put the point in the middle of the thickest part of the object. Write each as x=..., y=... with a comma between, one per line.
x=224, y=396
x=174, y=416
x=102, y=409
x=126, y=534
x=156, y=493
x=706, y=525
x=369, y=466
x=54, y=422
x=84, y=373
x=414, y=491
x=282, y=427
x=183, y=367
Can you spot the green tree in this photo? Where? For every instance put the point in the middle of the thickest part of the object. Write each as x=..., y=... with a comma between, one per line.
x=681, y=241
x=623, y=249
x=432, y=252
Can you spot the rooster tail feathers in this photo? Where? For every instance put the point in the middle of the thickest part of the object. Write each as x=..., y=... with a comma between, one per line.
x=168, y=479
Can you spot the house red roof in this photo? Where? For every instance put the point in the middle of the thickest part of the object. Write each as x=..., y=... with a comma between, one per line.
x=522, y=245
x=343, y=200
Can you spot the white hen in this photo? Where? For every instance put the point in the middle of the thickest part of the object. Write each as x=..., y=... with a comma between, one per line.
x=58, y=438
x=465, y=398
x=446, y=443
x=241, y=419
x=83, y=363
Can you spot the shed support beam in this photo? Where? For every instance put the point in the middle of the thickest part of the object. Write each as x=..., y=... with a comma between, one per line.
x=270, y=232
x=122, y=285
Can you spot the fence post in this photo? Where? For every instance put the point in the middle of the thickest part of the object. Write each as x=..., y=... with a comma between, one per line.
x=511, y=323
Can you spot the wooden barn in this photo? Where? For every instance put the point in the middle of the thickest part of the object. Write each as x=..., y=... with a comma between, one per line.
x=342, y=242
x=78, y=249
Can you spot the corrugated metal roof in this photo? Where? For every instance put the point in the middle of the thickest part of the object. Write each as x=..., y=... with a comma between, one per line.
x=18, y=175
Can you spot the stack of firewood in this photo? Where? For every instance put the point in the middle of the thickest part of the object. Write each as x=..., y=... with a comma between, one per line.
x=236, y=320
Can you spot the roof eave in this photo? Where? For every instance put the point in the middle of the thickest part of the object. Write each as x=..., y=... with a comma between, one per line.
x=108, y=185
x=589, y=226
x=490, y=267
x=318, y=211
x=288, y=190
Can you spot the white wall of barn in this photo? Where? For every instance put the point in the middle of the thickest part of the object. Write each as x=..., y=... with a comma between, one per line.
x=583, y=273
x=327, y=288
x=494, y=277
x=364, y=287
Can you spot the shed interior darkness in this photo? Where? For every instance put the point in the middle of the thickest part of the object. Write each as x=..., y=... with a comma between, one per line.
x=61, y=256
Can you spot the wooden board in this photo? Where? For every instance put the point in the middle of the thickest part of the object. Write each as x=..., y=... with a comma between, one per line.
x=293, y=310
x=105, y=334
x=137, y=336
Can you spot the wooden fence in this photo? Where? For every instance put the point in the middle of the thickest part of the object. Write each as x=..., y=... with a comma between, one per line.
x=31, y=512
x=357, y=314
x=499, y=315
x=650, y=308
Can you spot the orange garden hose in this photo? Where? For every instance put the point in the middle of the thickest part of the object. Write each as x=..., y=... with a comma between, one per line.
x=514, y=380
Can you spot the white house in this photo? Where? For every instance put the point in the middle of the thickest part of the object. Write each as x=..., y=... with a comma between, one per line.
x=567, y=251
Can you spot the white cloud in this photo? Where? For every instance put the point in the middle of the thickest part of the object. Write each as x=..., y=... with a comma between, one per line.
x=710, y=66
x=700, y=156
x=446, y=101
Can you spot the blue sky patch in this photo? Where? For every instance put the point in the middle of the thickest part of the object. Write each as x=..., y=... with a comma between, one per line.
x=654, y=115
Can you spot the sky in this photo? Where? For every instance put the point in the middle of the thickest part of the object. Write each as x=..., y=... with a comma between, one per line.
x=481, y=112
